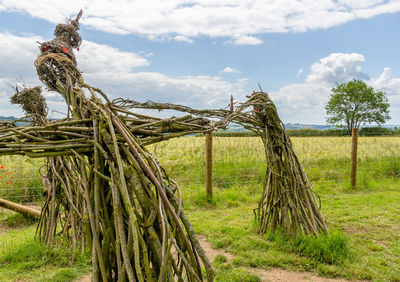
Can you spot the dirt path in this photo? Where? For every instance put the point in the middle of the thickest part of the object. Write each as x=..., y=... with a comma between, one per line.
x=271, y=275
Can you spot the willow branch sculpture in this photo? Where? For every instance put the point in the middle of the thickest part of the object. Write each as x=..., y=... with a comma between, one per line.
x=106, y=192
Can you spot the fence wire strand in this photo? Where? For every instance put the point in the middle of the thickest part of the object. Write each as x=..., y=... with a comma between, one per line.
x=237, y=162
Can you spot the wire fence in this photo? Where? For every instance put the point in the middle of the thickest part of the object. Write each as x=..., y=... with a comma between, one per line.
x=20, y=180
x=241, y=161
x=237, y=162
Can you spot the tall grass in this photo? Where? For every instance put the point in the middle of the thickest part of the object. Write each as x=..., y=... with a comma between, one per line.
x=241, y=161
x=237, y=161
x=19, y=179
x=330, y=248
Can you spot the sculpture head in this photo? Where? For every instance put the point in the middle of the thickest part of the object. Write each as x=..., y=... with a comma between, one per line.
x=57, y=60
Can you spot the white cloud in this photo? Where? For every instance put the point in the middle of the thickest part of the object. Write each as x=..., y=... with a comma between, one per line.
x=304, y=102
x=337, y=68
x=390, y=7
x=240, y=21
x=93, y=57
x=360, y=4
x=181, y=38
x=386, y=82
x=246, y=40
x=230, y=70
x=114, y=71
x=194, y=91
x=17, y=55
x=391, y=85
x=111, y=70
x=299, y=72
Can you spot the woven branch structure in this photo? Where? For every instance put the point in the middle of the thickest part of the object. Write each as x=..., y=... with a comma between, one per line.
x=106, y=192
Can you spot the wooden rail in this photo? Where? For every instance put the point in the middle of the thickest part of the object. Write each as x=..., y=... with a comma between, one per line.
x=19, y=208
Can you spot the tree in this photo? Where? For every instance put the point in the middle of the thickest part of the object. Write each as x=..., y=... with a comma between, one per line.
x=355, y=103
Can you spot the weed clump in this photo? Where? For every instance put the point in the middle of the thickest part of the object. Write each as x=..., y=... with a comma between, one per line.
x=237, y=274
x=330, y=248
x=219, y=259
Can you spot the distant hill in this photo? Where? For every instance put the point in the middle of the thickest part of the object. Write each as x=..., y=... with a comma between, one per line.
x=239, y=128
x=307, y=126
x=7, y=118
x=391, y=126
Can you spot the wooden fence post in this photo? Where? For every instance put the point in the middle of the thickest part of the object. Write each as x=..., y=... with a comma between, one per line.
x=209, y=188
x=353, y=168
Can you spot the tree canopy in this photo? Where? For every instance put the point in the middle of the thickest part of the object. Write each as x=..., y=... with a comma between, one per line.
x=354, y=103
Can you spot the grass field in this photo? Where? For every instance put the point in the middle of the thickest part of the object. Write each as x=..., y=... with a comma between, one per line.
x=364, y=239
x=239, y=161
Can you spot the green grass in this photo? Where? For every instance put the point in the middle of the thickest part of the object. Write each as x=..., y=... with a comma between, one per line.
x=15, y=220
x=241, y=160
x=19, y=179
x=230, y=273
x=22, y=258
x=331, y=248
x=363, y=242
x=364, y=238
x=237, y=161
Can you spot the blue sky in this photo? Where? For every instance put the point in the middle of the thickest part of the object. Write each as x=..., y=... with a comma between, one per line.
x=198, y=53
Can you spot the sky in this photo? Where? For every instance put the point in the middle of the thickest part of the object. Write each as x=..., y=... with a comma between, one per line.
x=198, y=53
